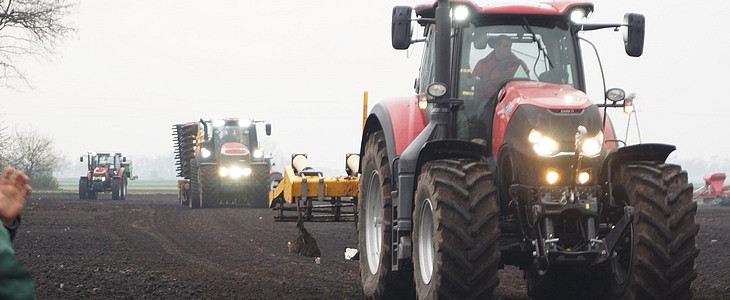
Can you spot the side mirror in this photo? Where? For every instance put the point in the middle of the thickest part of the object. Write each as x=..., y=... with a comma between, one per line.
x=634, y=34
x=124, y=159
x=81, y=159
x=268, y=128
x=401, y=30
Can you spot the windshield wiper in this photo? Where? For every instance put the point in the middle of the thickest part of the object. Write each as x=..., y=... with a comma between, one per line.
x=528, y=28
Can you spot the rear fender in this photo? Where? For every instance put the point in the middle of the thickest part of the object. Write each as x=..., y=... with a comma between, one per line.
x=410, y=122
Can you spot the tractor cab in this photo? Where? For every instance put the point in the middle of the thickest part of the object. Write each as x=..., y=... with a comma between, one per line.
x=107, y=160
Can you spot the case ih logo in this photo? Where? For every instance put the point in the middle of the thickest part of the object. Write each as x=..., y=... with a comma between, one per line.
x=567, y=111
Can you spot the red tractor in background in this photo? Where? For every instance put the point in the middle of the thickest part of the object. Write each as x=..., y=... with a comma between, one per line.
x=106, y=172
x=456, y=183
x=713, y=192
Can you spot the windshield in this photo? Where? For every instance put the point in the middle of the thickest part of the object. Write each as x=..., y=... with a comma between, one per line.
x=104, y=160
x=233, y=134
x=494, y=54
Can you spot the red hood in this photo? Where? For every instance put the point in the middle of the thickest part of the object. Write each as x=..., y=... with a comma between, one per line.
x=101, y=170
x=234, y=149
x=545, y=95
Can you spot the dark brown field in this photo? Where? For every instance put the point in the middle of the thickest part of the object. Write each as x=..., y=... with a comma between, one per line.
x=148, y=247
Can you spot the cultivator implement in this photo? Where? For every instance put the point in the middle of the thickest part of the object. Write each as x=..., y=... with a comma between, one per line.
x=184, y=136
x=304, y=194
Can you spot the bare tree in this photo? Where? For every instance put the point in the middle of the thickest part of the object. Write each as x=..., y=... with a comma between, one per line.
x=4, y=143
x=35, y=154
x=28, y=28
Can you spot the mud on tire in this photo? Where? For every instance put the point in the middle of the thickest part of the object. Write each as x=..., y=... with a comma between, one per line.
x=377, y=278
x=661, y=265
x=456, y=231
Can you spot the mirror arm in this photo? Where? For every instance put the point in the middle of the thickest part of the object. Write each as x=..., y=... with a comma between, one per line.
x=588, y=27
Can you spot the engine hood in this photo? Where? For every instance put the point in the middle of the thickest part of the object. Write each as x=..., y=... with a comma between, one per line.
x=544, y=95
x=100, y=171
x=234, y=149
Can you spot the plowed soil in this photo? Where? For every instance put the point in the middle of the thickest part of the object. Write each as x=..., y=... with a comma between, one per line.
x=148, y=247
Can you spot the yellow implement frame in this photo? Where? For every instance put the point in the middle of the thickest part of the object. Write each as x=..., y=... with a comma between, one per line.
x=314, y=197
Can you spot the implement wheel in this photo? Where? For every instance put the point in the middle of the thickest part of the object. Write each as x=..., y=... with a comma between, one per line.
x=374, y=227
x=656, y=260
x=456, y=231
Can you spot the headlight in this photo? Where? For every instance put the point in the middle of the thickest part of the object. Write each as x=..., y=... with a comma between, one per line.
x=592, y=146
x=246, y=171
x=258, y=153
x=583, y=177
x=543, y=145
x=205, y=152
x=244, y=122
x=217, y=123
x=552, y=177
x=223, y=172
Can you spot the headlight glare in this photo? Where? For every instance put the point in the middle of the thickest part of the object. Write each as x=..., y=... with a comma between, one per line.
x=552, y=177
x=592, y=146
x=205, y=152
x=258, y=153
x=583, y=177
x=223, y=172
x=543, y=145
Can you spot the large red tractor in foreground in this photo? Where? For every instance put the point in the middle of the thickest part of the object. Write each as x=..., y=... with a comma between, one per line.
x=105, y=172
x=478, y=171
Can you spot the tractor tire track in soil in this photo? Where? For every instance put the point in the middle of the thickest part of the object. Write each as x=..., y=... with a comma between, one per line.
x=149, y=247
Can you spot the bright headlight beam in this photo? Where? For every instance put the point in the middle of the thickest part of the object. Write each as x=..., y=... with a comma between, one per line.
x=592, y=146
x=577, y=15
x=218, y=123
x=244, y=123
x=258, y=153
x=461, y=13
x=205, y=152
x=583, y=177
x=552, y=177
x=543, y=145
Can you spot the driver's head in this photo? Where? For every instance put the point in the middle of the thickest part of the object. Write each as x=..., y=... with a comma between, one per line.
x=502, y=46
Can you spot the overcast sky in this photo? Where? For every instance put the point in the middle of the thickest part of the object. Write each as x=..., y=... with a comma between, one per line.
x=136, y=67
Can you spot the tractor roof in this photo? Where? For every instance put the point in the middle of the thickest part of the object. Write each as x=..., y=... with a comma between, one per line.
x=554, y=8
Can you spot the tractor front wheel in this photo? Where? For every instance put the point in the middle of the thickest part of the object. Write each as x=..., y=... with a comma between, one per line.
x=116, y=188
x=83, y=188
x=259, y=194
x=656, y=259
x=374, y=227
x=209, y=185
x=456, y=231
x=123, y=189
x=194, y=200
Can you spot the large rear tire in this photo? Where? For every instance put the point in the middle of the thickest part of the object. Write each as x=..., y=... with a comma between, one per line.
x=210, y=186
x=657, y=259
x=194, y=201
x=374, y=227
x=123, y=189
x=116, y=188
x=83, y=188
x=456, y=231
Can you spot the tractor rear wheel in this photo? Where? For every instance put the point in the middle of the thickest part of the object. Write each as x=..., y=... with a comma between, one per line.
x=456, y=231
x=374, y=227
x=116, y=188
x=657, y=258
x=194, y=200
x=209, y=185
x=83, y=188
x=91, y=194
x=259, y=193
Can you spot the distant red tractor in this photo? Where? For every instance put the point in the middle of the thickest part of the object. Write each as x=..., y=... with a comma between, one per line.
x=713, y=192
x=106, y=172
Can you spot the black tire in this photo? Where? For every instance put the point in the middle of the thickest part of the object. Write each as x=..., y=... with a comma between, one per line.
x=658, y=256
x=259, y=193
x=194, y=201
x=377, y=278
x=123, y=189
x=83, y=188
x=209, y=185
x=116, y=188
x=91, y=194
x=456, y=231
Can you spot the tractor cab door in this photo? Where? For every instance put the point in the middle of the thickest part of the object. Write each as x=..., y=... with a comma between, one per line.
x=426, y=72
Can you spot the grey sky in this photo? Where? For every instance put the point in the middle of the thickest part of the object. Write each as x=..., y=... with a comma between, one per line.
x=135, y=67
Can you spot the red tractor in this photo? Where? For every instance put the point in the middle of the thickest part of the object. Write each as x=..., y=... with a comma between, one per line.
x=106, y=172
x=508, y=162
x=713, y=192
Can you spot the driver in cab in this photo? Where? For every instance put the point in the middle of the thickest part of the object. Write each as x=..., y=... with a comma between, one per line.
x=497, y=66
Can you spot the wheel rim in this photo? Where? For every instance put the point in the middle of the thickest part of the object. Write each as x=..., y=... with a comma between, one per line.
x=373, y=222
x=426, y=241
x=621, y=262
